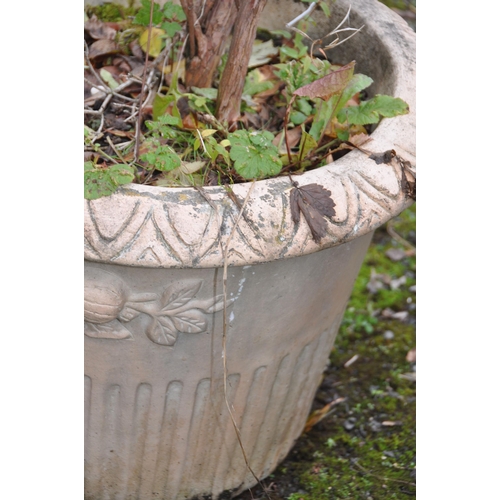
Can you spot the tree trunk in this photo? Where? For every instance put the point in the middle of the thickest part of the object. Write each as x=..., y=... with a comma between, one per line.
x=209, y=28
x=233, y=77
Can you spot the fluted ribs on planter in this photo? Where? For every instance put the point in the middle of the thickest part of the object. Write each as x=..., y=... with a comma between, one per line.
x=200, y=452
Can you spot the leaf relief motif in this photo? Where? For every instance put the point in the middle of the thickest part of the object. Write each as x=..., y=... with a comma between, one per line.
x=179, y=294
x=191, y=321
x=176, y=310
x=111, y=330
x=162, y=331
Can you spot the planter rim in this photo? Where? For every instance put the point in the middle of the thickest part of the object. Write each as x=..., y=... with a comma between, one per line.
x=149, y=226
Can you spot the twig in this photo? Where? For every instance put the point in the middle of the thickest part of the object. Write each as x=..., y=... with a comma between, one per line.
x=399, y=238
x=141, y=96
x=110, y=142
x=91, y=67
x=224, y=335
x=301, y=16
x=381, y=477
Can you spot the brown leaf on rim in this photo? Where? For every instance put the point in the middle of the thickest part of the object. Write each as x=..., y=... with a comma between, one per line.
x=331, y=84
x=408, y=180
x=359, y=140
x=315, y=203
x=385, y=157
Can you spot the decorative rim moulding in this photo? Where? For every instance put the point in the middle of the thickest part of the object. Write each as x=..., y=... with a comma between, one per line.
x=148, y=226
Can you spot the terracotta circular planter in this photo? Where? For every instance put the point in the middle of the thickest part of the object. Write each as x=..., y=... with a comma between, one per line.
x=156, y=421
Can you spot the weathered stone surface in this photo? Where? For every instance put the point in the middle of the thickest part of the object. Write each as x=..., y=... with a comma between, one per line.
x=156, y=421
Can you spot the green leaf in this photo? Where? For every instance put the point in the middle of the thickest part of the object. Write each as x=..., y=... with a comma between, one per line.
x=358, y=115
x=163, y=158
x=289, y=52
x=316, y=128
x=98, y=183
x=358, y=83
x=170, y=120
x=284, y=33
x=171, y=28
x=121, y=174
x=307, y=144
x=343, y=135
x=142, y=16
x=304, y=106
x=254, y=155
x=371, y=111
x=108, y=78
x=254, y=83
x=390, y=106
x=208, y=93
x=172, y=11
x=326, y=9
x=296, y=117
x=160, y=104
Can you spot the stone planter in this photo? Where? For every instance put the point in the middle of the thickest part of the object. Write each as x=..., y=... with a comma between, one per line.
x=156, y=421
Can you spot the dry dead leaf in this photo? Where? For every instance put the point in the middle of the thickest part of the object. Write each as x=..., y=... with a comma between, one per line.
x=314, y=201
x=103, y=47
x=411, y=357
x=135, y=48
x=293, y=136
x=331, y=84
x=99, y=30
x=262, y=53
x=350, y=361
x=318, y=415
x=395, y=254
x=385, y=157
x=359, y=140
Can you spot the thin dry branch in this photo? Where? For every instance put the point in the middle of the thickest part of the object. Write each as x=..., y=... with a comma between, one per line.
x=224, y=336
x=141, y=96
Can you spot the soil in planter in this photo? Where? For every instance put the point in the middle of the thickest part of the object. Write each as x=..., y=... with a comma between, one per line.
x=182, y=144
x=364, y=444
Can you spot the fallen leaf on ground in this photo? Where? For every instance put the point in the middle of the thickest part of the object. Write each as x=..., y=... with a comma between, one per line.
x=349, y=362
x=389, y=313
x=411, y=376
x=411, y=357
x=395, y=254
x=318, y=415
